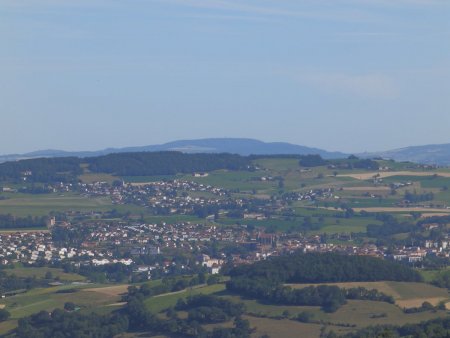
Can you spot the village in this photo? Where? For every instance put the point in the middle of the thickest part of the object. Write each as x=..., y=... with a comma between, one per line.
x=102, y=243
x=88, y=239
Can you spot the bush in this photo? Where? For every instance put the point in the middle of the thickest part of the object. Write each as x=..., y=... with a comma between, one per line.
x=69, y=306
x=4, y=315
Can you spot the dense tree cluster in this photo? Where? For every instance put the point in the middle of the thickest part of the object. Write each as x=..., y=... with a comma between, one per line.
x=66, y=169
x=330, y=298
x=441, y=220
x=413, y=197
x=442, y=279
x=165, y=163
x=200, y=309
x=12, y=222
x=366, y=294
x=326, y=268
x=63, y=169
x=389, y=228
x=210, y=309
x=110, y=272
x=363, y=164
x=265, y=280
x=36, y=189
x=312, y=161
x=437, y=328
x=10, y=283
x=168, y=284
x=61, y=324
x=352, y=162
x=4, y=315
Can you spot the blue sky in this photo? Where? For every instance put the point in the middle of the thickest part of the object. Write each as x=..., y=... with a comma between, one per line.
x=349, y=75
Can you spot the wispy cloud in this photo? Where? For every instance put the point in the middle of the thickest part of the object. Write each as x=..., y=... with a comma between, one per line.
x=372, y=85
x=396, y=3
x=53, y=3
x=286, y=9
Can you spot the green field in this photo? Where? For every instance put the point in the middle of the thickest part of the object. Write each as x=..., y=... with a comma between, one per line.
x=36, y=300
x=161, y=302
x=406, y=294
x=282, y=328
x=232, y=180
x=41, y=205
x=94, y=177
x=356, y=313
x=41, y=272
x=148, y=179
x=425, y=181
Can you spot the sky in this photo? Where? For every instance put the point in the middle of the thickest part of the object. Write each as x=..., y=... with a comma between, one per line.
x=347, y=75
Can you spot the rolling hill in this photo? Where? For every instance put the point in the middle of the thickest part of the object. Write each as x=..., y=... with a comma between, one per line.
x=241, y=146
x=437, y=154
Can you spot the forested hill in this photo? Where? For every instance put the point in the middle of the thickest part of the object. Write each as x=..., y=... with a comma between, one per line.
x=66, y=169
x=326, y=268
x=165, y=163
x=266, y=280
x=63, y=169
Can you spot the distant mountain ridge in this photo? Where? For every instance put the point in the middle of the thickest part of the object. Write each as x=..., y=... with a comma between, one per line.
x=241, y=146
x=436, y=154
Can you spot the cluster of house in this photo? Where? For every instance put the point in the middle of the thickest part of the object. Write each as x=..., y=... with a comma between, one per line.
x=311, y=195
x=188, y=235
x=167, y=197
x=98, y=242
x=29, y=247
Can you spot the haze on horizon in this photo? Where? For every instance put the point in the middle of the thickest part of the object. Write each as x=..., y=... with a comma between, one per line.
x=346, y=75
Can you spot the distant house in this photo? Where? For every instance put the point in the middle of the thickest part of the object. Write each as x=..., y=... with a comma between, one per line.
x=200, y=174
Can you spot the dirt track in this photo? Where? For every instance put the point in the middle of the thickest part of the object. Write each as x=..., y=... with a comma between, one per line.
x=366, y=188
x=399, y=209
x=417, y=302
x=112, y=291
x=383, y=174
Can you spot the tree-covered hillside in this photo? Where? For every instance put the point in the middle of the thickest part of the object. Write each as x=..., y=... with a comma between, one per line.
x=164, y=163
x=66, y=169
x=326, y=268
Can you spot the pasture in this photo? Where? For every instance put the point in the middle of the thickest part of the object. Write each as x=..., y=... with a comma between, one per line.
x=355, y=313
x=41, y=273
x=164, y=301
x=282, y=328
x=383, y=174
x=97, y=177
x=403, y=209
x=243, y=181
x=406, y=294
x=41, y=205
x=86, y=296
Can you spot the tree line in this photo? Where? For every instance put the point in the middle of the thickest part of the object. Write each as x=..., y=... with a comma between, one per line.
x=326, y=268
x=11, y=222
x=63, y=169
x=135, y=317
x=61, y=324
x=266, y=280
x=352, y=162
x=437, y=328
x=66, y=169
x=165, y=163
x=329, y=297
